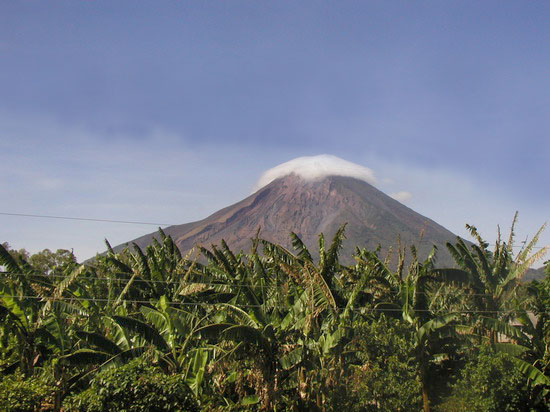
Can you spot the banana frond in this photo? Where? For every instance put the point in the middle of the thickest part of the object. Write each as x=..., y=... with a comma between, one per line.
x=243, y=317
x=62, y=286
x=323, y=296
x=292, y=359
x=14, y=308
x=67, y=281
x=95, y=339
x=118, y=264
x=14, y=319
x=465, y=258
x=277, y=252
x=126, y=289
x=329, y=341
x=47, y=336
x=300, y=247
x=535, y=375
x=207, y=254
x=143, y=329
x=261, y=273
x=68, y=306
x=510, y=244
x=451, y=275
x=523, y=267
x=242, y=333
x=228, y=253
x=7, y=260
x=475, y=234
x=223, y=261
x=110, y=249
x=359, y=287
x=169, y=242
x=194, y=375
x=159, y=319
x=82, y=357
x=331, y=259
x=502, y=327
x=511, y=349
x=485, y=269
x=435, y=325
x=322, y=250
x=523, y=255
x=212, y=331
x=142, y=261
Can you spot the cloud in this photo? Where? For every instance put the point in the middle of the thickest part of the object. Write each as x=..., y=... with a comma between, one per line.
x=316, y=167
x=62, y=169
x=402, y=196
x=58, y=169
x=453, y=198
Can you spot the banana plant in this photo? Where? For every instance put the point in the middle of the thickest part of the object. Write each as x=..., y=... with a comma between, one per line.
x=318, y=316
x=33, y=311
x=492, y=278
x=432, y=333
x=138, y=275
x=246, y=333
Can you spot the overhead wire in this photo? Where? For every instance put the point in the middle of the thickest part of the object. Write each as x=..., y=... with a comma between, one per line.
x=244, y=306
x=130, y=222
x=183, y=282
x=133, y=222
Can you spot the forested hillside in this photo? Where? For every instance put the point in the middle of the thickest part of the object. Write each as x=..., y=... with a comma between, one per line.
x=275, y=329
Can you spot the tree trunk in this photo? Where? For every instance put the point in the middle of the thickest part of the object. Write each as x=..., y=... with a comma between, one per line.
x=425, y=398
x=493, y=337
x=424, y=381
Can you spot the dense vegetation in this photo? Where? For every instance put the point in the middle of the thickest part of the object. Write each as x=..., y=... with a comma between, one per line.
x=274, y=329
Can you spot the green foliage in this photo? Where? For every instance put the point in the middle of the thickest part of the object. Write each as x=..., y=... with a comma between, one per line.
x=134, y=387
x=386, y=379
x=53, y=263
x=489, y=382
x=19, y=394
x=272, y=329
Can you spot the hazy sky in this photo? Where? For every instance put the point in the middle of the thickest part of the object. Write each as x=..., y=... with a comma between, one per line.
x=167, y=111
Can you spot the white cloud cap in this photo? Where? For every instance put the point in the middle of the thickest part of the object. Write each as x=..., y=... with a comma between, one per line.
x=316, y=167
x=402, y=196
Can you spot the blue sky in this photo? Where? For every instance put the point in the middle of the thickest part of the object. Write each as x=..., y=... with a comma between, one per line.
x=167, y=111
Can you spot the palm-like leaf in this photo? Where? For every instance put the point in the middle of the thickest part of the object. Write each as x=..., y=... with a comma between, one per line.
x=96, y=339
x=86, y=357
x=146, y=331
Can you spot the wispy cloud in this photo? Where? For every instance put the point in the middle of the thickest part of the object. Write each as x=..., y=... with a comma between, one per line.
x=454, y=199
x=55, y=169
x=402, y=196
x=64, y=170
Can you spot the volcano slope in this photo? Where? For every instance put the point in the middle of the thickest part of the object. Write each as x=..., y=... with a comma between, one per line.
x=310, y=207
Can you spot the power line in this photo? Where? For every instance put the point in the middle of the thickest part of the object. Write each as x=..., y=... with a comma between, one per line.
x=64, y=298
x=209, y=283
x=131, y=222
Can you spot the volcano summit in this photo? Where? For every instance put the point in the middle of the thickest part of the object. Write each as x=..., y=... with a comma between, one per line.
x=309, y=196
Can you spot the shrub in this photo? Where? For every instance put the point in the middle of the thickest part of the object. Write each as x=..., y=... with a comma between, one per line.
x=489, y=382
x=387, y=379
x=134, y=387
x=19, y=394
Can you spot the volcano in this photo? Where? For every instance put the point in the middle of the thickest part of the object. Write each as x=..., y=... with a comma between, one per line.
x=308, y=207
